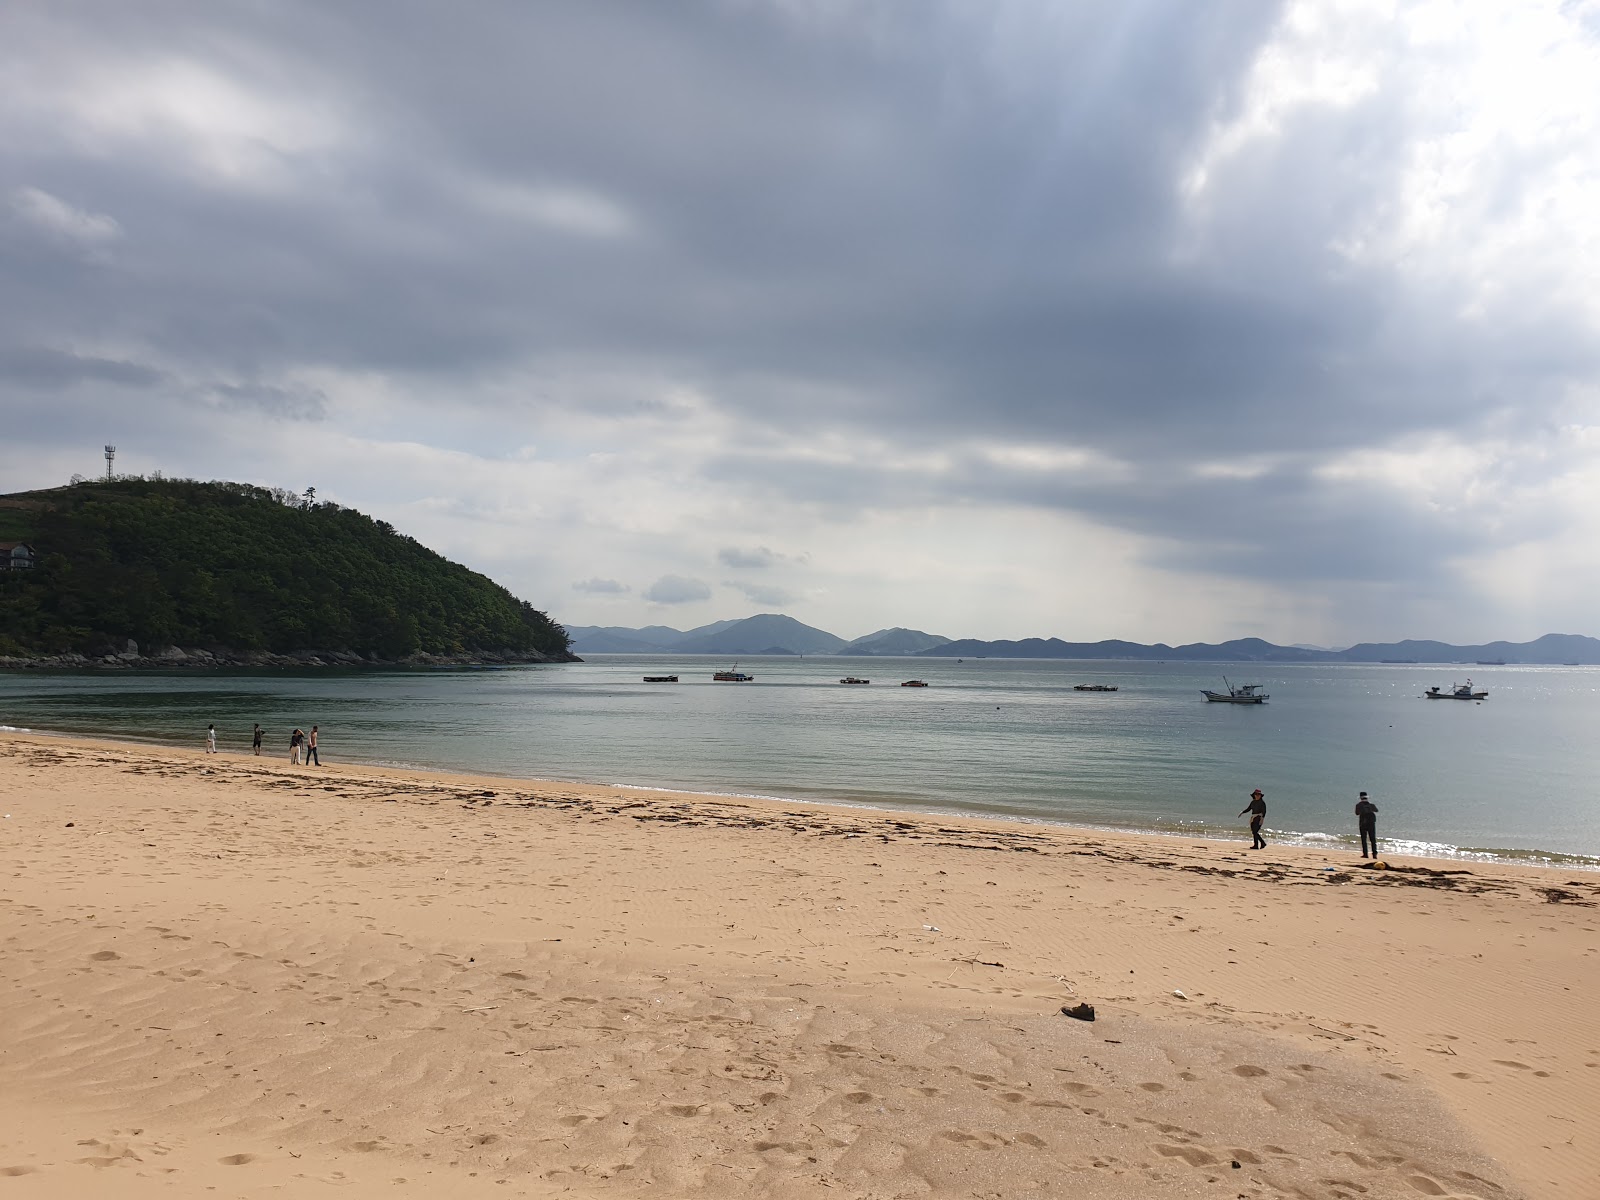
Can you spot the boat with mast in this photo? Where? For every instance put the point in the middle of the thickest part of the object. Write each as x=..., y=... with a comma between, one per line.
x=1245, y=693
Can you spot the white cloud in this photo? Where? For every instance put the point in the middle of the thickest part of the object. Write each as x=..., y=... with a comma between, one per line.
x=601, y=587
x=676, y=589
x=765, y=595
x=756, y=558
x=56, y=218
x=568, y=209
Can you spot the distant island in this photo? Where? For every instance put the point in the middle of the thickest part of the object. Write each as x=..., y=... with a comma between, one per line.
x=159, y=572
x=773, y=633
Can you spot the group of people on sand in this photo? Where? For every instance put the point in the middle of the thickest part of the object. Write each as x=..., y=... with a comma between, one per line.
x=300, y=742
x=1366, y=822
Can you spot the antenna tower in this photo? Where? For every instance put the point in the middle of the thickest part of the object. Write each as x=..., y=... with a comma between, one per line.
x=111, y=454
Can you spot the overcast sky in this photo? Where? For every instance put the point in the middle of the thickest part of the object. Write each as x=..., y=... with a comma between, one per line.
x=1156, y=320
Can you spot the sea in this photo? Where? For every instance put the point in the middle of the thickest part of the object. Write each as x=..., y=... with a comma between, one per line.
x=1510, y=778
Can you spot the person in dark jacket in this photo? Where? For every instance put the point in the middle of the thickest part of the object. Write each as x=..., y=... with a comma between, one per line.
x=1367, y=821
x=1257, y=808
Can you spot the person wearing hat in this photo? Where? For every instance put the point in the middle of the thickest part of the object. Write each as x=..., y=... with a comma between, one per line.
x=1257, y=808
x=1367, y=820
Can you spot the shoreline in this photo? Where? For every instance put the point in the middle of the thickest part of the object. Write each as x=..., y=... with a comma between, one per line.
x=1407, y=849
x=1280, y=855
x=234, y=973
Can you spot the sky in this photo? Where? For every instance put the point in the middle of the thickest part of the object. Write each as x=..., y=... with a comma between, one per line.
x=1154, y=320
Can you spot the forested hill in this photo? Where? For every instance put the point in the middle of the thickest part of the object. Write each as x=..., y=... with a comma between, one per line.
x=242, y=573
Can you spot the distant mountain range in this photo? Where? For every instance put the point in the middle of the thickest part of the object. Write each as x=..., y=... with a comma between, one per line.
x=768, y=633
x=773, y=633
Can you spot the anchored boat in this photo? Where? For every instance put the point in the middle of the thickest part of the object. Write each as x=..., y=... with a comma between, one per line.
x=733, y=675
x=1462, y=691
x=1245, y=693
x=1094, y=687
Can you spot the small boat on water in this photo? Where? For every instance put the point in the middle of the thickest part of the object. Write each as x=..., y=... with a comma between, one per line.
x=1245, y=693
x=1461, y=691
x=1491, y=662
x=733, y=675
x=913, y=683
x=661, y=679
x=853, y=679
x=1093, y=687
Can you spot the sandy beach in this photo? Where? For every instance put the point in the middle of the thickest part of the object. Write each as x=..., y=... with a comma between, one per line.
x=228, y=976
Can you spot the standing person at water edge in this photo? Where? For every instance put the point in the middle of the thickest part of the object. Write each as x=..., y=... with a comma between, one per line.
x=311, y=748
x=211, y=739
x=1257, y=808
x=256, y=742
x=1367, y=819
x=295, y=739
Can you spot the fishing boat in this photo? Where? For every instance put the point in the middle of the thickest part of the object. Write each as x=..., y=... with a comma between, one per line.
x=1093, y=687
x=1245, y=693
x=913, y=683
x=1461, y=691
x=733, y=675
x=853, y=679
x=661, y=679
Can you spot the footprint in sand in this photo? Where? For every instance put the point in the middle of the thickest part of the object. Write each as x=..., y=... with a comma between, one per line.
x=1153, y=1087
x=236, y=1160
x=1247, y=1071
x=1190, y=1154
x=859, y=1097
x=24, y=1170
x=104, y=956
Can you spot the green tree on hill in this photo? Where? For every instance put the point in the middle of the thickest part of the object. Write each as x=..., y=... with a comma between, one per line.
x=243, y=568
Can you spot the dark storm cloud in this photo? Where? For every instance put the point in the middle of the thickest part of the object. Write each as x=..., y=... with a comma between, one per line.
x=930, y=225
x=41, y=367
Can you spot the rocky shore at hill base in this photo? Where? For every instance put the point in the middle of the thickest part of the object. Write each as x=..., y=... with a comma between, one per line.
x=130, y=657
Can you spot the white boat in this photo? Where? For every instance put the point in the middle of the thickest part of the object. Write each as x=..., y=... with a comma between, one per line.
x=1245, y=693
x=1461, y=691
x=733, y=675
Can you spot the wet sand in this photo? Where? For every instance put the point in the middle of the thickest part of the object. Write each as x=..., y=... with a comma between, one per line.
x=227, y=976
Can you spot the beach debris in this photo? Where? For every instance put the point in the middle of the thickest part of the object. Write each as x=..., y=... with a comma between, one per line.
x=1079, y=1012
x=70, y=824
x=933, y=929
x=1555, y=895
x=1180, y=993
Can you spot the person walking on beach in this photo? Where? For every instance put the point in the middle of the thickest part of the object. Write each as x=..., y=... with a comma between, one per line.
x=211, y=739
x=311, y=748
x=295, y=740
x=255, y=743
x=1367, y=819
x=1257, y=808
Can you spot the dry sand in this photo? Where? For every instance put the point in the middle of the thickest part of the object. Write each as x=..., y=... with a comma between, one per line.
x=226, y=976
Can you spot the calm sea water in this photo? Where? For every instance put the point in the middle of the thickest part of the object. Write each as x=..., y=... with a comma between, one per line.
x=1511, y=777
